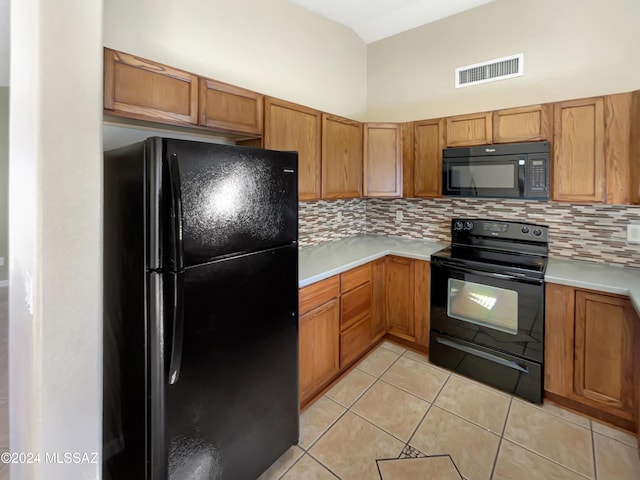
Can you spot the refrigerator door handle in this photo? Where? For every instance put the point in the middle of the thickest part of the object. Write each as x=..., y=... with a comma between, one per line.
x=178, y=329
x=176, y=199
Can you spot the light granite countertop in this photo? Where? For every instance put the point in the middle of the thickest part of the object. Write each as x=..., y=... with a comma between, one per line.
x=323, y=261
x=596, y=276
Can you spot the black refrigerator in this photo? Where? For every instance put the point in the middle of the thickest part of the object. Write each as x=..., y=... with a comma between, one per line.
x=200, y=310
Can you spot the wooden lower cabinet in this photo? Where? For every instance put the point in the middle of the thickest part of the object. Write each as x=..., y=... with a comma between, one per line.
x=591, y=348
x=406, y=292
x=319, y=349
x=335, y=326
x=355, y=340
x=378, y=322
x=399, y=284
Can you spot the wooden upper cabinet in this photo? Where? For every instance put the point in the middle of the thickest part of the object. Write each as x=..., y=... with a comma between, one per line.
x=605, y=340
x=635, y=154
x=473, y=129
x=228, y=108
x=399, y=285
x=341, y=157
x=292, y=127
x=427, y=167
x=622, y=121
x=526, y=124
x=382, y=160
x=407, y=142
x=578, y=160
x=139, y=88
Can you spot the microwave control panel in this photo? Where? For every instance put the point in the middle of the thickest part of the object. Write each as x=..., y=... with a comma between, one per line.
x=537, y=174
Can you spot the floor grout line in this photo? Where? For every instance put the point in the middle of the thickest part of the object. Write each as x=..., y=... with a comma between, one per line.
x=292, y=465
x=593, y=451
x=331, y=471
x=504, y=428
x=348, y=409
x=427, y=413
x=546, y=458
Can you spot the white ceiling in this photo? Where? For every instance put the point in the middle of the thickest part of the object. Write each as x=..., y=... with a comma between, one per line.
x=374, y=20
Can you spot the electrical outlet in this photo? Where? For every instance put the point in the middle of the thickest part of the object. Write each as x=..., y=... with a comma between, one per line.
x=1, y=261
x=339, y=217
x=633, y=233
x=398, y=215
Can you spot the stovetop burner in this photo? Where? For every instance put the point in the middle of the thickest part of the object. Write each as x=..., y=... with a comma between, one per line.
x=496, y=245
x=531, y=265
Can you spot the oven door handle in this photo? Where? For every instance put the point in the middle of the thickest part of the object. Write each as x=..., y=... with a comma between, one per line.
x=485, y=355
x=519, y=277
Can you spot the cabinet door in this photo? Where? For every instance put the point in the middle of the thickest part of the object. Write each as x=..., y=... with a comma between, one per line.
x=292, y=127
x=621, y=123
x=228, y=108
x=378, y=301
x=422, y=301
x=526, y=124
x=382, y=160
x=578, y=162
x=604, y=355
x=400, y=297
x=138, y=88
x=558, y=339
x=473, y=129
x=319, y=353
x=341, y=157
x=427, y=170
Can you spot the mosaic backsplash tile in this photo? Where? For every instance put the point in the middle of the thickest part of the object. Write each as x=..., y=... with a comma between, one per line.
x=318, y=220
x=596, y=233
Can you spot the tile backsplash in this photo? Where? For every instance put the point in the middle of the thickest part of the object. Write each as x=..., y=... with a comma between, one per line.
x=318, y=221
x=596, y=233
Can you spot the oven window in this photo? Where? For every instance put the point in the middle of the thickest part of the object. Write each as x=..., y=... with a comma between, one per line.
x=482, y=176
x=483, y=305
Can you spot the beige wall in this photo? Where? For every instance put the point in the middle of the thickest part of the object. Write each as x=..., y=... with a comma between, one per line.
x=55, y=152
x=273, y=47
x=572, y=49
x=4, y=180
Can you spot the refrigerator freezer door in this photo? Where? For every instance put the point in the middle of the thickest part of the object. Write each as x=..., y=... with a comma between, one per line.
x=234, y=408
x=218, y=200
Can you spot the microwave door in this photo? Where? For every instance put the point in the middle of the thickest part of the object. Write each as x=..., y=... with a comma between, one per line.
x=501, y=177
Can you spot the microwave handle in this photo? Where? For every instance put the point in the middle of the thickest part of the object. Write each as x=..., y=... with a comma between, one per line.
x=521, y=177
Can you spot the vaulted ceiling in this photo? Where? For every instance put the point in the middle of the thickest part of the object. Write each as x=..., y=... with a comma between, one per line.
x=374, y=20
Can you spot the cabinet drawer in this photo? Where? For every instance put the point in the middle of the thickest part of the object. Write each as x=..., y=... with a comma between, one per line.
x=356, y=304
x=318, y=293
x=356, y=277
x=354, y=341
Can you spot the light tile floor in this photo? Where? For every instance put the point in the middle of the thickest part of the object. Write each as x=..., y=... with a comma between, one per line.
x=397, y=417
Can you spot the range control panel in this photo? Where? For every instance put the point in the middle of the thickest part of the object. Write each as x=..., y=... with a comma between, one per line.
x=463, y=228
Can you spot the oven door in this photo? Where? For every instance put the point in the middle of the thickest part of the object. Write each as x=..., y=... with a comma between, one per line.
x=502, y=176
x=490, y=309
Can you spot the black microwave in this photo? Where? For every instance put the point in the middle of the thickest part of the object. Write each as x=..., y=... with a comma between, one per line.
x=514, y=170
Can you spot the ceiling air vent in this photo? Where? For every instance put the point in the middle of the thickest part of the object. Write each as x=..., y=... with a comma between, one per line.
x=498, y=69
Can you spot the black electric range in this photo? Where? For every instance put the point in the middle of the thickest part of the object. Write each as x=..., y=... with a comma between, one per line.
x=487, y=304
